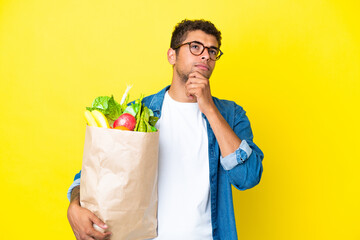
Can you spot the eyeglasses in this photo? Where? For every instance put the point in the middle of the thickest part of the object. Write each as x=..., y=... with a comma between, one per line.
x=197, y=48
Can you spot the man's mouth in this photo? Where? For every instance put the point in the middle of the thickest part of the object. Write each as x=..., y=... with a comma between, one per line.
x=202, y=66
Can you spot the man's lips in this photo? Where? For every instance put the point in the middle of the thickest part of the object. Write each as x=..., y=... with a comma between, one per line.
x=202, y=66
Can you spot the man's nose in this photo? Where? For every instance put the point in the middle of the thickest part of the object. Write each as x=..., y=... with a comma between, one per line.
x=205, y=55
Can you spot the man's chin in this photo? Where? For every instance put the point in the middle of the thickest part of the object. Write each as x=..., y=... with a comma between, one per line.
x=184, y=78
x=205, y=73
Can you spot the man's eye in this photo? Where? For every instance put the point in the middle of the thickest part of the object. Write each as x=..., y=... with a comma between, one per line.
x=213, y=52
x=195, y=46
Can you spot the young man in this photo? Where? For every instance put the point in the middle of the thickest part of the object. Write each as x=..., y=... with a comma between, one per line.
x=206, y=145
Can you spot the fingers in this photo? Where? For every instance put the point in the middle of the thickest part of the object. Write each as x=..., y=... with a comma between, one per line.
x=82, y=220
x=198, y=87
x=98, y=228
x=91, y=233
x=196, y=78
x=197, y=84
x=197, y=75
x=98, y=235
x=195, y=89
x=87, y=238
x=98, y=222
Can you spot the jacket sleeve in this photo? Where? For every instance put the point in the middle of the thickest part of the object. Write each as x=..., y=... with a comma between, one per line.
x=75, y=183
x=244, y=166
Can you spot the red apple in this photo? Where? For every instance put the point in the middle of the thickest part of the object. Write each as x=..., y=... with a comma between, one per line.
x=127, y=120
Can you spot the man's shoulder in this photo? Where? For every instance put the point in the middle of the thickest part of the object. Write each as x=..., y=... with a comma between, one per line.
x=231, y=111
x=155, y=101
x=225, y=105
x=147, y=100
x=152, y=97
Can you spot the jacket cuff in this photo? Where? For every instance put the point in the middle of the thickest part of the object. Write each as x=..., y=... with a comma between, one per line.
x=73, y=185
x=238, y=157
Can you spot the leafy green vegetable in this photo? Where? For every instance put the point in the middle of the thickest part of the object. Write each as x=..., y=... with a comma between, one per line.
x=151, y=113
x=132, y=109
x=108, y=106
x=143, y=124
x=148, y=127
x=138, y=113
x=153, y=120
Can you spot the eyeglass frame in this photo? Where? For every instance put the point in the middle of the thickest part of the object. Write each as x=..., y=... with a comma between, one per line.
x=208, y=48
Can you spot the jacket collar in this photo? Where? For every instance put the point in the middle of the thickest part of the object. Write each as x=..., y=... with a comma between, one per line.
x=157, y=101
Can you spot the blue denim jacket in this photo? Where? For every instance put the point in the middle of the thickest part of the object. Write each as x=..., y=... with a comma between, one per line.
x=242, y=169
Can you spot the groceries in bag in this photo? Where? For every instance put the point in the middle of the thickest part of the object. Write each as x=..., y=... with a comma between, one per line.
x=120, y=167
x=105, y=112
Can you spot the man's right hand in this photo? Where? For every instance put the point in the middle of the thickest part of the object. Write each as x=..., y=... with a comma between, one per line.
x=82, y=220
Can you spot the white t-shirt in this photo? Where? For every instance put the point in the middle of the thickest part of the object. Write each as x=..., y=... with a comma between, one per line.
x=184, y=210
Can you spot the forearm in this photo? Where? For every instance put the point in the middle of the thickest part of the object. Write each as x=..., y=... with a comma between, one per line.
x=73, y=185
x=75, y=195
x=225, y=136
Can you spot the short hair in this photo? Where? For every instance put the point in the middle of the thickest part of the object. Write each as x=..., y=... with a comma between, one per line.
x=185, y=26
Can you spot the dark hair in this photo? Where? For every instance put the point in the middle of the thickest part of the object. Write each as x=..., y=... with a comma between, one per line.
x=181, y=30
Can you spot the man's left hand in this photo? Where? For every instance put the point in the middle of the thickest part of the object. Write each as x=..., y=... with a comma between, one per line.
x=198, y=87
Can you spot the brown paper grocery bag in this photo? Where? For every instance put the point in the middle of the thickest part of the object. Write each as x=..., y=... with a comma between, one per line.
x=119, y=181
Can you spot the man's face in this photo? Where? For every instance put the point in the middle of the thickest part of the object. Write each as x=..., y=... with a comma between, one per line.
x=185, y=62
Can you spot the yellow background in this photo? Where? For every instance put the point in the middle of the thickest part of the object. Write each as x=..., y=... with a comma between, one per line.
x=293, y=65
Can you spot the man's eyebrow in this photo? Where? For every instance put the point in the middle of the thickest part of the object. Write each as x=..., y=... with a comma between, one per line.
x=198, y=42
x=204, y=44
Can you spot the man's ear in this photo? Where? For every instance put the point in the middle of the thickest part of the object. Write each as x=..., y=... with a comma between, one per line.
x=171, y=54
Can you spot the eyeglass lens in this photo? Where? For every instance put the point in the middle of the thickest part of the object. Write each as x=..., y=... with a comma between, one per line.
x=198, y=48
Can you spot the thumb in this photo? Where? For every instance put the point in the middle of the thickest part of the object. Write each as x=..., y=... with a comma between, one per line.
x=98, y=222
